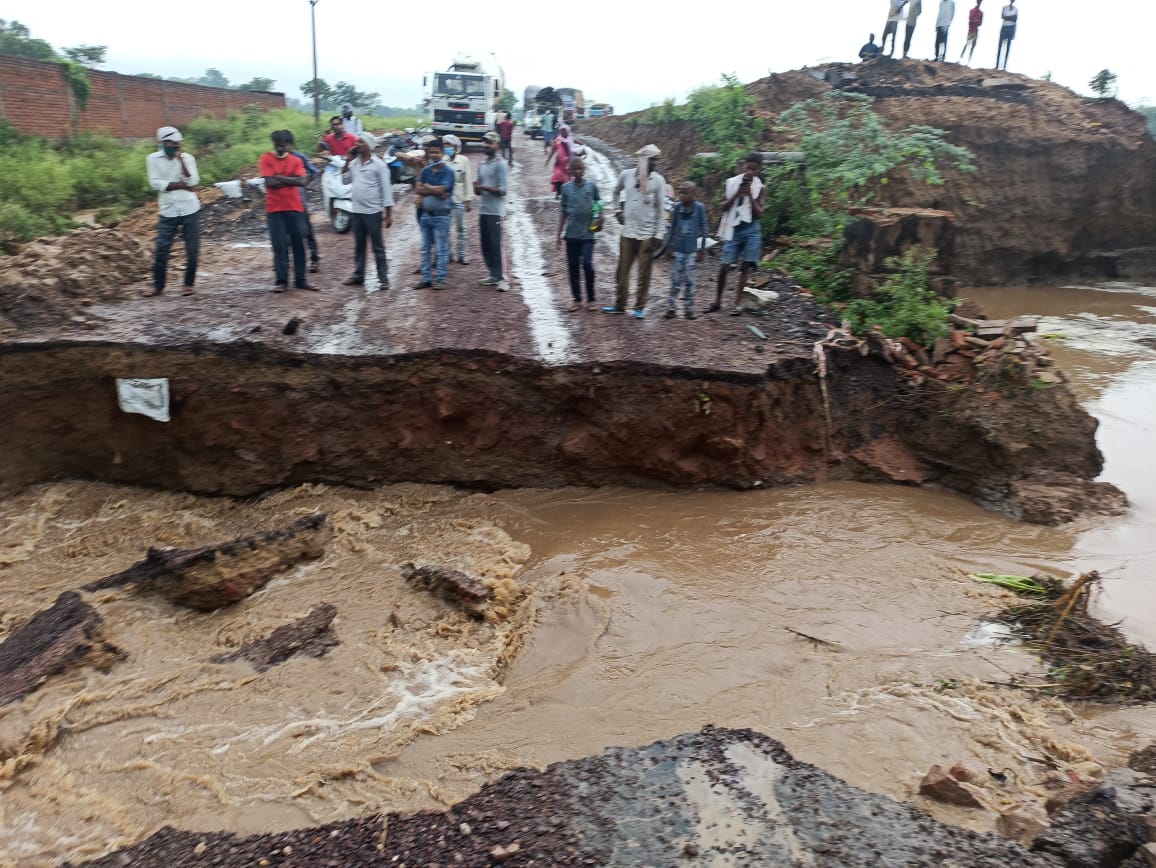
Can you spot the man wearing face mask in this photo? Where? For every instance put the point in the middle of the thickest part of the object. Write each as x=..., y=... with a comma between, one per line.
x=463, y=192
x=351, y=122
x=173, y=175
x=492, y=184
x=284, y=175
x=372, y=194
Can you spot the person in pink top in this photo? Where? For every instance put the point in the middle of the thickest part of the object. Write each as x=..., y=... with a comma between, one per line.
x=561, y=149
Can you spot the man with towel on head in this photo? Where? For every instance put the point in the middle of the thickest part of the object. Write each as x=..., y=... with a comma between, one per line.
x=641, y=216
x=173, y=174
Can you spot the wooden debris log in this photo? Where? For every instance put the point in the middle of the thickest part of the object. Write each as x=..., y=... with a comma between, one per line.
x=64, y=636
x=214, y=576
x=312, y=635
x=470, y=593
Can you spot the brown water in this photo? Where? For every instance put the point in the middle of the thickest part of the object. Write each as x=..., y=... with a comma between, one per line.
x=832, y=617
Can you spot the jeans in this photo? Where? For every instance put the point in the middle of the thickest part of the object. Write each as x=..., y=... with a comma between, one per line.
x=310, y=239
x=580, y=251
x=190, y=229
x=490, y=228
x=463, y=233
x=683, y=271
x=435, y=235
x=547, y=138
x=630, y=249
x=367, y=228
x=941, y=43
x=287, y=231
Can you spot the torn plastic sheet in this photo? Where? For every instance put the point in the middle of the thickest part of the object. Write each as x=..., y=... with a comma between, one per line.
x=147, y=397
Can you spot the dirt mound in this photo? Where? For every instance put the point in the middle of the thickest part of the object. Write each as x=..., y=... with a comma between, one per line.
x=221, y=217
x=50, y=279
x=1059, y=177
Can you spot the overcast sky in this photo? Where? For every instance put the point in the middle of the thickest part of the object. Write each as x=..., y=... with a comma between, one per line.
x=630, y=55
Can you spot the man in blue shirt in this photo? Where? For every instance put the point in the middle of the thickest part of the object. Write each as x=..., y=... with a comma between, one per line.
x=310, y=239
x=435, y=186
x=686, y=241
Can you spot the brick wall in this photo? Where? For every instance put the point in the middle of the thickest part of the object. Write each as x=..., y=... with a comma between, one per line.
x=36, y=98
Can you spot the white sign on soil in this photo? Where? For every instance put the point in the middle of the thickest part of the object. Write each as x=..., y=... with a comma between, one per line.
x=147, y=397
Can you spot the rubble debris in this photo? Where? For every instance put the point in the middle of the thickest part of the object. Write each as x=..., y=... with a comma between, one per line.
x=471, y=594
x=50, y=280
x=214, y=576
x=312, y=636
x=1087, y=659
x=66, y=635
x=943, y=786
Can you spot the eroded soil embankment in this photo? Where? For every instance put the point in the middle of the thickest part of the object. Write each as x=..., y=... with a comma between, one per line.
x=248, y=417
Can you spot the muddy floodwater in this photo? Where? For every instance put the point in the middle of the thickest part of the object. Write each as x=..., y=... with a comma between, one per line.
x=832, y=617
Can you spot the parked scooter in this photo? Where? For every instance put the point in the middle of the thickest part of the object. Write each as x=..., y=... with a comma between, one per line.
x=336, y=195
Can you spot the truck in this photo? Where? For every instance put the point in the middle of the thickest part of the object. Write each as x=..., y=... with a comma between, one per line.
x=600, y=110
x=573, y=104
x=463, y=99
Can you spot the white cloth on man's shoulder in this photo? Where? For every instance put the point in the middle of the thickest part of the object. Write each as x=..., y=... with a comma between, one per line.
x=740, y=212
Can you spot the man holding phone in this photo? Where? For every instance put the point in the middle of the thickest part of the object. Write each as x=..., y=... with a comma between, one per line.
x=740, y=230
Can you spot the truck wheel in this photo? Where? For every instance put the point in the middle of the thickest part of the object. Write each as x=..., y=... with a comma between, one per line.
x=341, y=221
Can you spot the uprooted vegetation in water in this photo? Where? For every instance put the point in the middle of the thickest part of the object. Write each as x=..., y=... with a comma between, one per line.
x=1086, y=658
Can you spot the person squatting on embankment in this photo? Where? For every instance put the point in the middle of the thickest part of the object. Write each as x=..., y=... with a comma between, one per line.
x=173, y=174
x=580, y=219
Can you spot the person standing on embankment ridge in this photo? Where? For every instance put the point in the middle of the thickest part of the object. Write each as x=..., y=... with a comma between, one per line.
x=173, y=174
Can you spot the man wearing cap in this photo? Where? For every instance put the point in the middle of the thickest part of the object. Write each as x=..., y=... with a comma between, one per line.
x=492, y=185
x=173, y=174
x=641, y=216
x=372, y=202
x=463, y=191
x=350, y=121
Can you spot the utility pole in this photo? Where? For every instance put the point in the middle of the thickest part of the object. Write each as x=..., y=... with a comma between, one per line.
x=316, y=85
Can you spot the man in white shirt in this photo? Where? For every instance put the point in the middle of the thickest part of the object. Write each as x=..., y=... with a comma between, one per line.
x=173, y=174
x=350, y=121
x=894, y=10
x=739, y=228
x=371, y=204
x=643, y=227
x=1007, y=33
x=914, y=10
x=463, y=196
x=942, y=24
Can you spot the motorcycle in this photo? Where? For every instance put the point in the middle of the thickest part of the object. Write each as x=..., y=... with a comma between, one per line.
x=336, y=195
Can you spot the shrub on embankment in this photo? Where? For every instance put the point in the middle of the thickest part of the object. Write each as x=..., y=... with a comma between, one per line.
x=45, y=183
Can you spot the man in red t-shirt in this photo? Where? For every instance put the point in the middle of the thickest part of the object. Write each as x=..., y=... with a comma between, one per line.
x=284, y=176
x=338, y=142
x=506, y=134
x=974, y=20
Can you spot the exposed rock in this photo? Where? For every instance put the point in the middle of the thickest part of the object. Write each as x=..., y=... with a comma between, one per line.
x=943, y=787
x=1023, y=822
x=312, y=636
x=877, y=234
x=66, y=635
x=1051, y=498
x=215, y=576
x=971, y=772
x=1144, y=761
x=471, y=594
x=1093, y=831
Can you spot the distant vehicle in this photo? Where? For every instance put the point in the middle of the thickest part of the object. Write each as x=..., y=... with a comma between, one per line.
x=573, y=104
x=532, y=123
x=463, y=99
x=600, y=110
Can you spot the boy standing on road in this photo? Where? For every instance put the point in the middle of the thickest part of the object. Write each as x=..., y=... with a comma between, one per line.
x=435, y=185
x=642, y=228
x=506, y=134
x=371, y=206
x=686, y=241
x=974, y=22
x=174, y=176
x=463, y=192
x=284, y=176
x=740, y=231
x=581, y=218
x=492, y=185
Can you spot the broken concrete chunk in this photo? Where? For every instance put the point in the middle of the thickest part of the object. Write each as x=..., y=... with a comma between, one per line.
x=470, y=593
x=214, y=576
x=66, y=635
x=312, y=635
x=939, y=785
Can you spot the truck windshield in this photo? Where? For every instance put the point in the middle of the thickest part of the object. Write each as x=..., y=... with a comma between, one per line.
x=461, y=85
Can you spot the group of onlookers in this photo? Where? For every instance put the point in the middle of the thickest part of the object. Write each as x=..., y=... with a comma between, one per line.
x=910, y=10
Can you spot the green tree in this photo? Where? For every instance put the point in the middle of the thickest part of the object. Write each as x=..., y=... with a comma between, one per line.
x=507, y=101
x=344, y=92
x=87, y=55
x=258, y=83
x=213, y=78
x=1103, y=84
x=16, y=39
